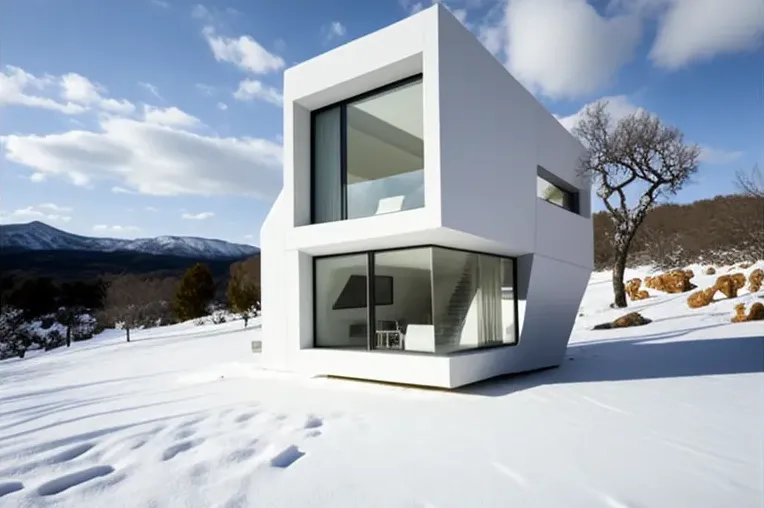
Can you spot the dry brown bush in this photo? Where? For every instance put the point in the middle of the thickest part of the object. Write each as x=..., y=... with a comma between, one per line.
x=755, y=314
x=630, y=319
x=744, y=266
x=710, y=270
x=755, y=280
x=739, y=279
x=632, y=289
x=726, y=285
x=701, y=298
x=677, y=281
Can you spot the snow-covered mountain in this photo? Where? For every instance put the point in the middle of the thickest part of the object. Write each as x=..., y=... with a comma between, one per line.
x=39, y=236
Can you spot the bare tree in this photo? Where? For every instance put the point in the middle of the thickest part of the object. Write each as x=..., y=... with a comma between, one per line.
x=751, y=184
x=632, y=163
x=125, y=298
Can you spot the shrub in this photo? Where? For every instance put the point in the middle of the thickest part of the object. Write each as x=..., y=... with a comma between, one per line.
x=630, y=319
x=710, y=270
x=755, y=280
x=632, y=289
x=701, y=298
x=677, y=281
x=755, y=314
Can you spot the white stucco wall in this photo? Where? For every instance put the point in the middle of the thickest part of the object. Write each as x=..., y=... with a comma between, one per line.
x=485, y=135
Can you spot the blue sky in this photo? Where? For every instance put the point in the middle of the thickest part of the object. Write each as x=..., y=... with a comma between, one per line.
x=150, y=117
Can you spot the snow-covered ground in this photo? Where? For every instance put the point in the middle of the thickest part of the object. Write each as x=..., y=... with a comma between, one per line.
x=666, y=415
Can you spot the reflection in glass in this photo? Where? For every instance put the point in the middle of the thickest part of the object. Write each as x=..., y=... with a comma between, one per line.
x=340, y=301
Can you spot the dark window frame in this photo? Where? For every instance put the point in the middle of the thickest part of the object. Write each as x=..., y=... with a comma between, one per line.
x=563, y=186
x=371, y=300
x=343, y=104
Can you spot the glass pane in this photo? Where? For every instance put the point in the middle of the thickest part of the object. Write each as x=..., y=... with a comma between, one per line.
x=327, y=167
x=340, y=304
x=550, y=192
x=473, y=300
x=385, y=152
x=455, y=284
x=508, y=301
x=405, y=320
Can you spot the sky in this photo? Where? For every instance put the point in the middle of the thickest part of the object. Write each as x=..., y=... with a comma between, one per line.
x=153, y=117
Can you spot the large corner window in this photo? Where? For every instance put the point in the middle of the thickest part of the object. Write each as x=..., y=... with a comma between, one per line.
x=423, y=299
x=368, y=154
x=552, y=189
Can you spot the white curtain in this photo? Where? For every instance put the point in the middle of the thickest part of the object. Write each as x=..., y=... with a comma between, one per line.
x=327, y=167
x=489, y=300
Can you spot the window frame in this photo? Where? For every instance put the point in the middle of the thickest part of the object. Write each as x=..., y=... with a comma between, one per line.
x=342, y=105
x=372, y=304
x=562, y=186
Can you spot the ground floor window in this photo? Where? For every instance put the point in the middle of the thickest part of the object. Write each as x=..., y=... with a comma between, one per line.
x=423, y=299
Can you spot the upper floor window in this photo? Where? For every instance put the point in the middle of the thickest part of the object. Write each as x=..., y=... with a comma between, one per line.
x=555, y=193
x=368, y=154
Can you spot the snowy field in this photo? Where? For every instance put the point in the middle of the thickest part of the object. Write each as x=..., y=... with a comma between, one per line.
x=666, y=415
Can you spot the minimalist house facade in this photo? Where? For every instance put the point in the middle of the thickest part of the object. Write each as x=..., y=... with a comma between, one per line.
x=432, y=228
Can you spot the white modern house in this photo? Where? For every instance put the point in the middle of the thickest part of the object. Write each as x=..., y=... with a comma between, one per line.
x=432, y=228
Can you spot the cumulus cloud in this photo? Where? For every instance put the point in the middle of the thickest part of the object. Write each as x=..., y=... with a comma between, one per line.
x=244, y=52
x=198, y=216
x=152, y=159
x=619, y=106
x=565, y=48
x=77, y=93
x=18, y=87
x=222, y=106
x=45, y=212
x=694, y=30
x=171, y=117
x=251, y=89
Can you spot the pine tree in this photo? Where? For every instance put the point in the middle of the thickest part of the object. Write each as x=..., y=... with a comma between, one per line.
x=243, y=296
x=194, y=293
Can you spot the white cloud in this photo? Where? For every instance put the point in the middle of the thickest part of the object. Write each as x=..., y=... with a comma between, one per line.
x=565, y=48
x=39, y=212
x=412, y=6
x=115, y=228
x=80, y=90
x=18, y=87
x=79, y=94
x=714, y=156
x=151, y=209
x=619, y=106
x=170, y=117
x=54, y=207
x=333, y=30
x=693, y=30
x=152, y=159
x=198, y=216
x=222, y=106
x=152, y=89
x=121, y=190
x=250, y=89
x=161, y=3
x=244, y=52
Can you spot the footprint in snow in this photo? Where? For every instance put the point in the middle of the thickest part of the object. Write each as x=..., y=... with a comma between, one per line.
x=172, y=451
x=10, y=487
x=62, y=483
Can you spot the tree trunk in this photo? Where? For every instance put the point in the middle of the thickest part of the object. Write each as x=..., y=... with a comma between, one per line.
x=246, y=319
x=68, y=336
x=127, y=331
x=619, y=267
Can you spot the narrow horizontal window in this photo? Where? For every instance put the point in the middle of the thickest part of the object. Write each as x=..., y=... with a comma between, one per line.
x=556, y=195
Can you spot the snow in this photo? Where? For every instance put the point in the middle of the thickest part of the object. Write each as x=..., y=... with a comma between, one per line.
x=669, y=414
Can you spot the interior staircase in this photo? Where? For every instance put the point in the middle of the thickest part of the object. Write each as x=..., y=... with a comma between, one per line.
x=448, y=329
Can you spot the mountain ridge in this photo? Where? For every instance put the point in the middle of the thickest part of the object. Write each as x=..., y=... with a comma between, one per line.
x=38, y=236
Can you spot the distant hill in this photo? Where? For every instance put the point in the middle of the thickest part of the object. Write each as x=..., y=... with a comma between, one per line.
x=721, y=230
x=37, y=236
